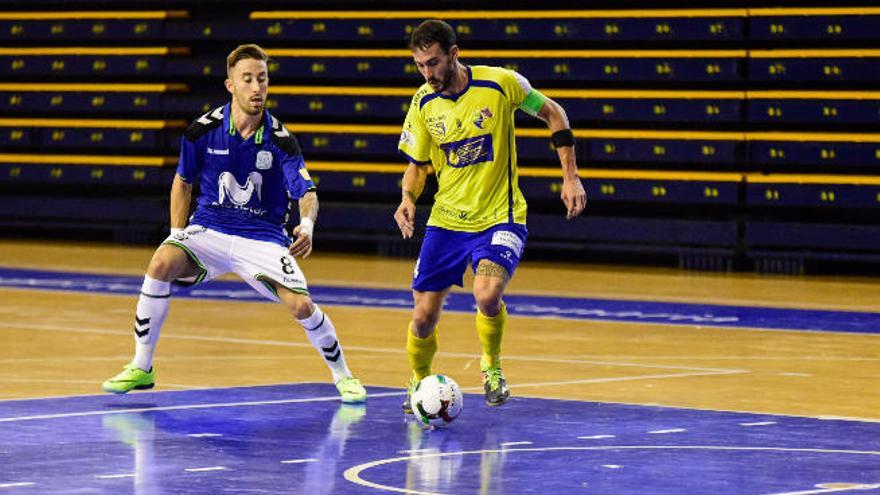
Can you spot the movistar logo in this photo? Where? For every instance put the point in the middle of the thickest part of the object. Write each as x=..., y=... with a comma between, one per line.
x=238, y=194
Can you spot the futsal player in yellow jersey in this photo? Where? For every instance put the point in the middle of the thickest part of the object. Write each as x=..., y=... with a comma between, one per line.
x=461, y=123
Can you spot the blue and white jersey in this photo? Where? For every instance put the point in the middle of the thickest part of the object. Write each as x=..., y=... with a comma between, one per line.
x=246, y=185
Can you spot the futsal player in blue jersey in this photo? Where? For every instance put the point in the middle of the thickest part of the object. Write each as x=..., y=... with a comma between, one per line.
x=248, y=169
x=461, y=123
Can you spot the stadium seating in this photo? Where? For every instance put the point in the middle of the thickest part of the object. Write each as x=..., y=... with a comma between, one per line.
x=90, y=98
x=733, y=133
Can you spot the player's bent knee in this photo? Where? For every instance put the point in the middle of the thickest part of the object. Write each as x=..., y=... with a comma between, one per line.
x=169, y=263
x=488, y=302
x=300, y=305
x=424, y=323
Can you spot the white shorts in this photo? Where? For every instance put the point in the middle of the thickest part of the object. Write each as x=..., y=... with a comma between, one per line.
x=256, y=262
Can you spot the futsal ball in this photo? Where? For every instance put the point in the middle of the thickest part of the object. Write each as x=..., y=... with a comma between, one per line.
x=436, y=401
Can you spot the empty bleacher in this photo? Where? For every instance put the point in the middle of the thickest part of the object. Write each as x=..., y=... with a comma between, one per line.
x=733, y=136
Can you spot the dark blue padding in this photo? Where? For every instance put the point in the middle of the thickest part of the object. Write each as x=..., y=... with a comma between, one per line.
x=524, y=29
x=26, y=103
x=814, y=27
x=646, y=149
x=813, y=195
x=550, y=68
x=73, y=30
x=818, y=156
x=99, y=66
x=634, y=230
x=796, y=70
x=802, y=235
x=814, y=111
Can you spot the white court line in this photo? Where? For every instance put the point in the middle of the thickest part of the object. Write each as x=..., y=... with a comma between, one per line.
x=212, y=468
x=396, y=350
x=620, y=379
x=185, y=407
x=353, y=474
x=664, y=432
x=80, y=382
x=759, y=423
x=298, y=461
x=596, y=437
x=508, y=444
x=855, y=486
x=204, y=435
x=16, y=485
x=114, y=476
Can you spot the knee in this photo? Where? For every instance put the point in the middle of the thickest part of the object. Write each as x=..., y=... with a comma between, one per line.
x=488, y=302
x=161, y=268
x=424, y=322
x=301, y=307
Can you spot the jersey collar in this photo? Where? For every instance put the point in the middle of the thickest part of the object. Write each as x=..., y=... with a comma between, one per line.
x=230, y=124
x=456, y=96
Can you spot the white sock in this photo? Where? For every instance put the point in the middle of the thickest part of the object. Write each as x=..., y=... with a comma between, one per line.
x=151, y=310
x=321, y=333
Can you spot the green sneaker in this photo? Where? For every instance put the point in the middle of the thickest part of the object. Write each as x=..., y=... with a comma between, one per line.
x=495, y=387
x=351, y=390
x=407, y=403
x=130, y=378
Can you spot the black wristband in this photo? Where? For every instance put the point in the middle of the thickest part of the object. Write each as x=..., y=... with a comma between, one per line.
x=562, y=138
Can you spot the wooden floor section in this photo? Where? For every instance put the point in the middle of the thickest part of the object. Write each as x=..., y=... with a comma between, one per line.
x=62, y=343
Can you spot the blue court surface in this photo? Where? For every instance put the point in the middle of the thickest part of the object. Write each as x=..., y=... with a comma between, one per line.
x=519, y=305
x=299, y=439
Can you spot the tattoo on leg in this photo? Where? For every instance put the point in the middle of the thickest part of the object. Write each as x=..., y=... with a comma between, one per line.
x=489, y=269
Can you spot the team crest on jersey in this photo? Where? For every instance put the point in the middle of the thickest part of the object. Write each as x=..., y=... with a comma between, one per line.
x=264, y=160
x=481, y=116
x=437, y=129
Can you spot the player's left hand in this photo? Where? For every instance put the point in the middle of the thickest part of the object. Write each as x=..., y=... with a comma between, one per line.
x=302, y=246
x=574, y=197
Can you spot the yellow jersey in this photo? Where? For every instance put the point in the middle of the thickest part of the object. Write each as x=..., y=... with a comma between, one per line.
x=469, y=139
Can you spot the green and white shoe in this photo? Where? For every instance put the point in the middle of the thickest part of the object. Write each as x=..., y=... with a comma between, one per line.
x=495, y=387
x=351, y=390
x=407, y=402
x=130, y=378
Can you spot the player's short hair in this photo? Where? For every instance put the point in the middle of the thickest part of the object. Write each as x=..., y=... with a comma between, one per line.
x=432, y=31
x=243, y=52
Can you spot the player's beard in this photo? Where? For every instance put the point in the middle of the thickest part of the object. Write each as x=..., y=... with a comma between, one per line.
x=251, y=107
x=441, y=85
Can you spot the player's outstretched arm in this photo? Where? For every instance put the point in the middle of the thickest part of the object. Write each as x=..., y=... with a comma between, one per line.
x=181, y=195
x=411, y=188
x=573, y=195
x=308, y=214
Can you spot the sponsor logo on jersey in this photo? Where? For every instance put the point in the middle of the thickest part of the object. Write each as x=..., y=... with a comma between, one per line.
x=264, y=160
x=212, y=151
x=470, y=151
x=436, y=126
x=237, y=194
x=509, y=240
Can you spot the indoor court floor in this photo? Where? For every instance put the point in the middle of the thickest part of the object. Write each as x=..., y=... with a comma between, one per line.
x=624, y=380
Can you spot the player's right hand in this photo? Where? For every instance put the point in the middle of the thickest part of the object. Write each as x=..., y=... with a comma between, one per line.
x=405, y=217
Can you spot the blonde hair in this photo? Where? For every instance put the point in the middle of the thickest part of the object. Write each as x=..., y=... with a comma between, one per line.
x=243, y=52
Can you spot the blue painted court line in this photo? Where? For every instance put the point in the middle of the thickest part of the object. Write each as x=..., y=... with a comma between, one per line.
x=298, y=438
x=520, y=305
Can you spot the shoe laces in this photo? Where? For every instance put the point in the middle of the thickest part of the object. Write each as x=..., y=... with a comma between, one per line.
x=493, y=377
